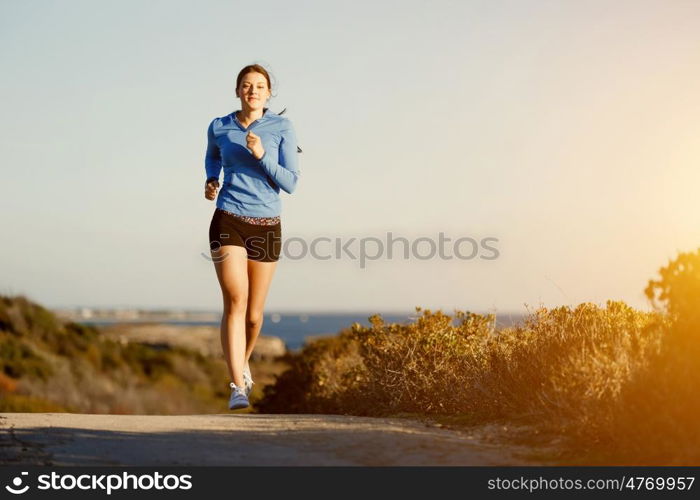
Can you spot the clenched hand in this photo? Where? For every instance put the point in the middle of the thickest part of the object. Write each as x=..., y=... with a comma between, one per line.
x=255, y=145
x=210, y=189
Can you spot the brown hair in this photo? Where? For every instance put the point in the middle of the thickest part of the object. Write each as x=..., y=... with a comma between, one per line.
x=253, y=68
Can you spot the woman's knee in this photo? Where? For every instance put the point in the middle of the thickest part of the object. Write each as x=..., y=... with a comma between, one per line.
x=254, y=318
x=235, y=302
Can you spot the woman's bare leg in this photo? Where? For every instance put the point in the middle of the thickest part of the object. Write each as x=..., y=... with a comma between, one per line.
x=230, y=264
x=259, y=279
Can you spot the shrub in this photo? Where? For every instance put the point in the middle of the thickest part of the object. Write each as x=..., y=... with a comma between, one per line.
x=47, y=364
x=618, y=385
x=549, y=368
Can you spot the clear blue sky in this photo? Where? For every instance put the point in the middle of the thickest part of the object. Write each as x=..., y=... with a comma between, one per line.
x=567, y=130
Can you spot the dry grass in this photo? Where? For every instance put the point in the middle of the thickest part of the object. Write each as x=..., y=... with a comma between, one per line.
x=614, y=385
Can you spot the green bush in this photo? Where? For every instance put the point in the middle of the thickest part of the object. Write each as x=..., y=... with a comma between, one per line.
x=19, y=359
x=52, y=364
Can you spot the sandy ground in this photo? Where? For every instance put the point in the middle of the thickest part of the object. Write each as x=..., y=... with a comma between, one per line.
x=241, y=439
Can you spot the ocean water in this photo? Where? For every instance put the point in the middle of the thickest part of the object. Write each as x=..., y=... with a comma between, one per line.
x=295, y=328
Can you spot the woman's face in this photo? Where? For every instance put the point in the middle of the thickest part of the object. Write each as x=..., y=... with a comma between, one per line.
x=253, y=91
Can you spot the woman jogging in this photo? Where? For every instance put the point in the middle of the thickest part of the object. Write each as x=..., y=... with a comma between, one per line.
x=257, y=150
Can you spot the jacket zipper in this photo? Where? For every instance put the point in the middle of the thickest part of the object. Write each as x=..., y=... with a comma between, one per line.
x=240, y=125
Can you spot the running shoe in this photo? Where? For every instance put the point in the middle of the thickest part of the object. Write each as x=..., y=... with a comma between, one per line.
x=238, y=398
x=248, y=381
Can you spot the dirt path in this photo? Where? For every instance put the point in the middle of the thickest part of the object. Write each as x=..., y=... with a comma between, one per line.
x=239, y=439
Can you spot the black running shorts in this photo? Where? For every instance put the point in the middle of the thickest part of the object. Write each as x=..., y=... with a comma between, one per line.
x=262, y=242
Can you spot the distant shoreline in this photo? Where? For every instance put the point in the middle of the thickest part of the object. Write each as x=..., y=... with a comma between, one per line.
x=109, y=316
x=294, y=329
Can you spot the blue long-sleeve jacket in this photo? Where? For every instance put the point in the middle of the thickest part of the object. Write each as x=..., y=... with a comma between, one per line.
x=251, y=187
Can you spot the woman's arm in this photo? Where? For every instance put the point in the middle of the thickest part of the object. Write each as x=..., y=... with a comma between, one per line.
x=212, y=160
x=286, y=173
